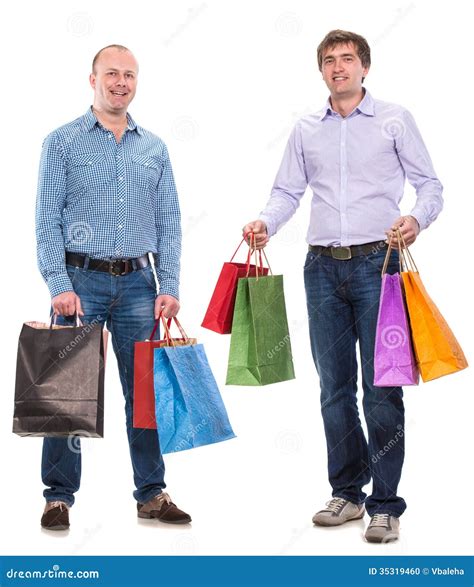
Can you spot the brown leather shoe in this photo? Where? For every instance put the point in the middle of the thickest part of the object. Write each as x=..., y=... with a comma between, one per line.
x=162, y=508
x=55, y=516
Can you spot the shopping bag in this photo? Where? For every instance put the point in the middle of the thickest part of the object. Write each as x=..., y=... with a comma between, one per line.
x=143, y=388
x=59, y=389
x=189, y=408
x=394, y=362
x=437, y=351
x=219, y=314
x=260, y=347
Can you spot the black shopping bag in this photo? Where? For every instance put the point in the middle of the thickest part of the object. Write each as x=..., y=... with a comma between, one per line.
x=59, y=387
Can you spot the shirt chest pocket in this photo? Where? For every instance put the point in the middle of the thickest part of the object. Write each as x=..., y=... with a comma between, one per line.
x=146, y=171
x=87, y=172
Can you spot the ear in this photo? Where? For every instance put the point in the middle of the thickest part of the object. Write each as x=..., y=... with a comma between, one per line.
x=92, y=80
x=320, y=69
x=365, y=71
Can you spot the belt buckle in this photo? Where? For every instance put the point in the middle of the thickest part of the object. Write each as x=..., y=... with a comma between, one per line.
x=114, y=266
x=341, y=253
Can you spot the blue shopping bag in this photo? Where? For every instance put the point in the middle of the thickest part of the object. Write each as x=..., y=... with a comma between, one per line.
x=188, y=405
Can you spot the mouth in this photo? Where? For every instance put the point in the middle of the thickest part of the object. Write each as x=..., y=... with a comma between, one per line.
x=339, y=78
x=119, y=94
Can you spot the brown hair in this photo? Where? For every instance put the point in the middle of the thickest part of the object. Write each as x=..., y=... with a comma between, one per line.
x=119, y=47
x=339, y=37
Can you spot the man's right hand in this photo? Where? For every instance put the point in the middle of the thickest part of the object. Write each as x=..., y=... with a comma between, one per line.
x=259, y=229
x=67, y=304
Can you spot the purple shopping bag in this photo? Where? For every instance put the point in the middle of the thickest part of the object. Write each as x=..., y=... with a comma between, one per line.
x=394, y=362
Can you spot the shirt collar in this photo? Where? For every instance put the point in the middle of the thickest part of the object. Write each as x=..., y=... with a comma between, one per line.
x=89, y=121
x=365, y=106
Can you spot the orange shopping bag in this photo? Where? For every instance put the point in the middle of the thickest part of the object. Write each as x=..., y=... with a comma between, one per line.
x=437, y=351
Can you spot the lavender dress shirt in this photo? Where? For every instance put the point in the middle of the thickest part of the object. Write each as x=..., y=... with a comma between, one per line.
x=356, y=167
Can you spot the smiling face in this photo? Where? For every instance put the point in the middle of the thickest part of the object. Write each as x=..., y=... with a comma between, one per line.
x=114, y=81
x=343, y=71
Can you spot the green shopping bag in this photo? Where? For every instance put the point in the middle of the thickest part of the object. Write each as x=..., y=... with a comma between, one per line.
x=260, y=348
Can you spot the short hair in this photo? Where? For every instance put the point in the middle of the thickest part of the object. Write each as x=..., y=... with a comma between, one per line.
x=98, y=54
x=339, y=37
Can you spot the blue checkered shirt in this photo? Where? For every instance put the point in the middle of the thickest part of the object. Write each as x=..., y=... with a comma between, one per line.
x=106, y=200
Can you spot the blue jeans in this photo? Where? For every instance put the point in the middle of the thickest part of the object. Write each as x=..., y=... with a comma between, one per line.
x=126, y=305
x=343, y=300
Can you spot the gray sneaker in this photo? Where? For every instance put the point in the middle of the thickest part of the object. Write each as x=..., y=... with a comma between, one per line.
x=338, y=511
x=383, y=528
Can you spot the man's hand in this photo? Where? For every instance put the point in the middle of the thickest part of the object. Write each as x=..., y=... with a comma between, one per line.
x=259, y=229
x=409, y=228
x=166, y=304
x=67, y=304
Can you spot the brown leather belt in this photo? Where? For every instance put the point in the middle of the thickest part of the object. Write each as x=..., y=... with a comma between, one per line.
x=346, y=253
x=115, y=267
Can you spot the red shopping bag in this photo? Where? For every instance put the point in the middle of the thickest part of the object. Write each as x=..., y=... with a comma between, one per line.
x=221, y=307
x=143, y=391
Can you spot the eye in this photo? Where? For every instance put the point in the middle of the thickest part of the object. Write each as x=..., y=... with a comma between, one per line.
x=349, y=59
x=111, y=73
x=129, y=75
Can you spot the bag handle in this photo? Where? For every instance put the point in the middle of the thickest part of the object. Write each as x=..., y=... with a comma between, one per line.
x=408, y=260
x=251, y=250
x=405, y=261
x=154, y=329
x=166, y=327
x=387, y=257
x=266, y=259
x=258, y=257
x=251, y=236
x=76, y=317
x=240, y=244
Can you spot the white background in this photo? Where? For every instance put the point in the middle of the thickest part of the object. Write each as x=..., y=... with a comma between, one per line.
x=222, y=83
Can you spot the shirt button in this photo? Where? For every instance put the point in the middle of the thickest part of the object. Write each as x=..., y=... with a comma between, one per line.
x=110, y=135
x=89, y=163
x=120, y=226
x=121, y=178
x=121, y=199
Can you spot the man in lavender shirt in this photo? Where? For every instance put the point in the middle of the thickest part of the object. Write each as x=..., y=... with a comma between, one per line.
x=355, y=154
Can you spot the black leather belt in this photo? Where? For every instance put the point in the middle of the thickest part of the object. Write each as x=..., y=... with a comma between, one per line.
x=346, y=253
x=115, y=267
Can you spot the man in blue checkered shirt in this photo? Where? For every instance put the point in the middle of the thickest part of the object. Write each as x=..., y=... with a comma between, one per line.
x=106, y=200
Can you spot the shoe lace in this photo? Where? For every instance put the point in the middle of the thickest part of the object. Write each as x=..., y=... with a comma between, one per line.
x=336, y=504
x=57, y=504
x=380, y=520
x=163, y=497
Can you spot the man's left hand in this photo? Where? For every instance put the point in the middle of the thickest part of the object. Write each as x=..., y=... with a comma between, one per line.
x=409, y=228
x=166, y=304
